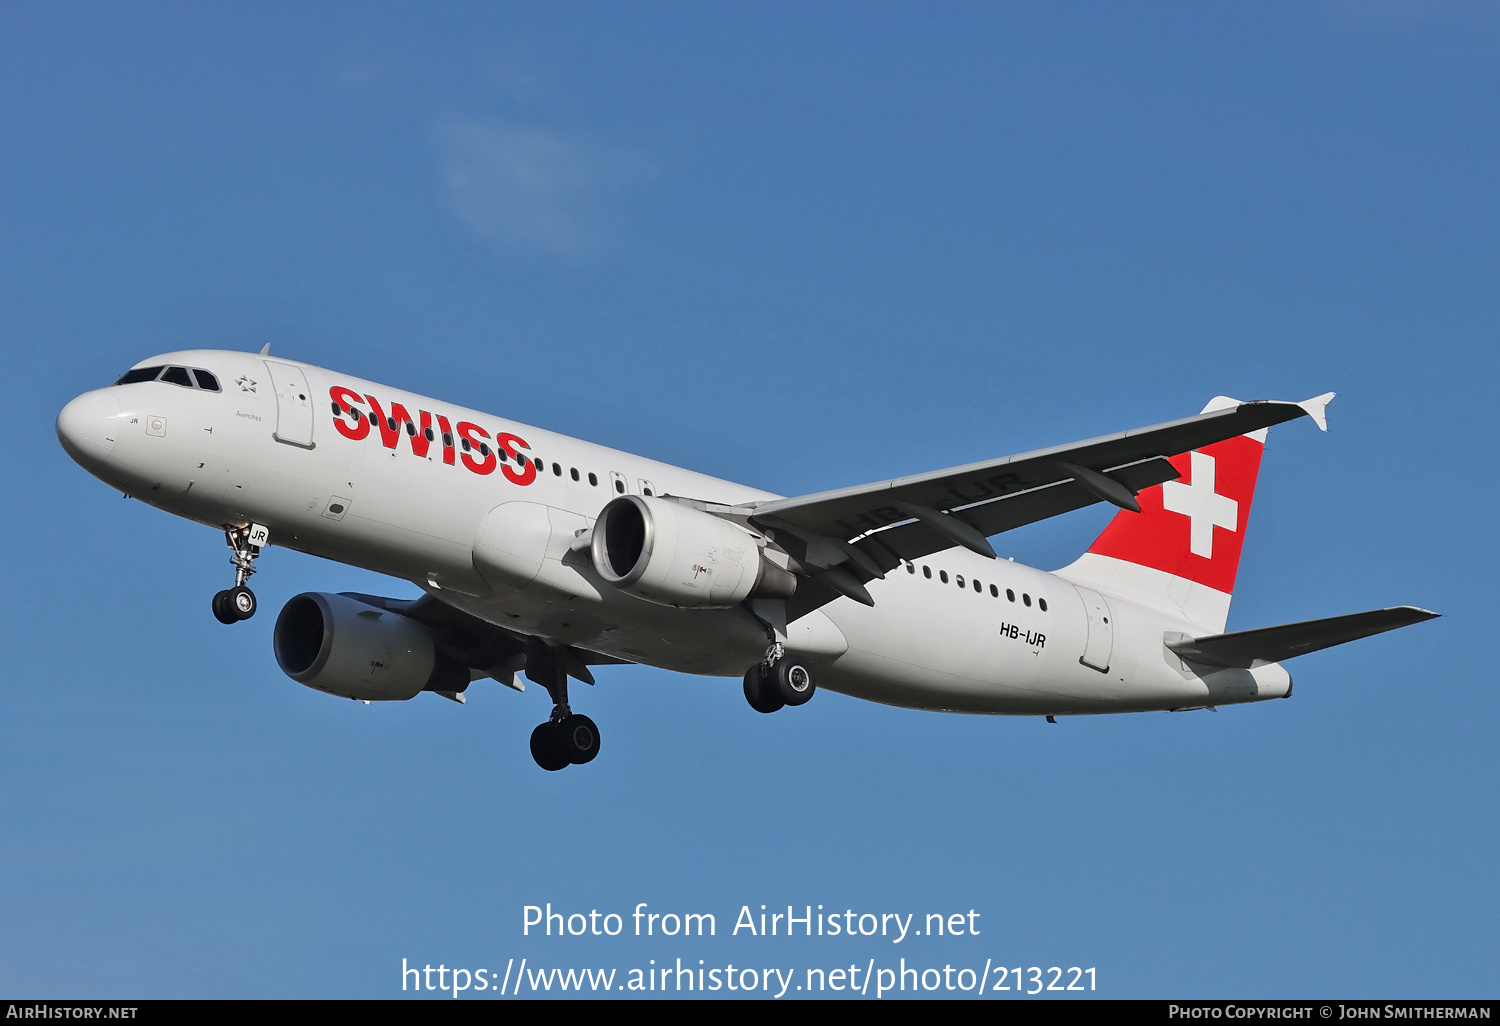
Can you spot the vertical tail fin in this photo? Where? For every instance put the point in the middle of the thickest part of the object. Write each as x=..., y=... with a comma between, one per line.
x=1181, y=552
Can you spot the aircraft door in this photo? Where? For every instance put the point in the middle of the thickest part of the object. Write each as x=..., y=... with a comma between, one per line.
x=294, y=411
x=1101, y=637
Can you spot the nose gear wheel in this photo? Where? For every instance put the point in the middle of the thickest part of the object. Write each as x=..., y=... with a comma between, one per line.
x=234, y=604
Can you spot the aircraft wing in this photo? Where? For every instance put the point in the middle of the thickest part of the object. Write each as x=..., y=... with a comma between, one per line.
x=488, y=650
x=1274, y=644
x=847, y=536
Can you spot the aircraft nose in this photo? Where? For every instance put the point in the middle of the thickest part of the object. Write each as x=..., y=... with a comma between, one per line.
x=87, y=426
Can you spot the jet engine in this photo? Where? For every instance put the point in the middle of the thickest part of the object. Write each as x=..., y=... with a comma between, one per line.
x=675, y=555
x=348, y=648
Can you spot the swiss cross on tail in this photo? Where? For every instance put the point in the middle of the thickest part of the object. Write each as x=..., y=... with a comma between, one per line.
x=1204, y=507
x=1194, y=527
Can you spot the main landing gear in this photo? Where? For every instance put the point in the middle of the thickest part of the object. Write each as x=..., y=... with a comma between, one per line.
x=778, y=680
x=567, y=738
x=238, y=603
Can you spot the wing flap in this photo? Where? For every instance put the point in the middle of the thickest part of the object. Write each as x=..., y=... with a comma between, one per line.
x=1276, y=644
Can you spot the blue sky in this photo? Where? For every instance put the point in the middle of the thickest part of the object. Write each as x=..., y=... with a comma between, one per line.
x=800, y=246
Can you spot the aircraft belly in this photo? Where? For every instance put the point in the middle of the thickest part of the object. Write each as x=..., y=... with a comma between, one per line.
x=716, y=643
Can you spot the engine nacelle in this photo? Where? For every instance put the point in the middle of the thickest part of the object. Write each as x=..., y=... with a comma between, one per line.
x=675, y=555
x=351, y=649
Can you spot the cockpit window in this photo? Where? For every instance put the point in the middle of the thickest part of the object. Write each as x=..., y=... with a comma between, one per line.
x=176, y=375
x=130, y=377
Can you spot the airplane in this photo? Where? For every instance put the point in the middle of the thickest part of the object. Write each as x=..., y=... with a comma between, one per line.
x=544, y=555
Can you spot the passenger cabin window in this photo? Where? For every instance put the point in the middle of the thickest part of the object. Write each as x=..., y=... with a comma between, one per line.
x=1042, y=604
x=593, y=479
x=574, y=472
x=943, y=576
x=927, y=572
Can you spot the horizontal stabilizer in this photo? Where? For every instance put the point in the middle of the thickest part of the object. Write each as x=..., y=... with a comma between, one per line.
x=1276, y=644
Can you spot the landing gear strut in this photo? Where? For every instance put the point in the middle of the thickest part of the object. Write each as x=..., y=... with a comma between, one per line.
x=778, y=680
x=238, y=603
x=566, y=738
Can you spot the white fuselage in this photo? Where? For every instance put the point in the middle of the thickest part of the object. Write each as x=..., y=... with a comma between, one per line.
x=431, y=519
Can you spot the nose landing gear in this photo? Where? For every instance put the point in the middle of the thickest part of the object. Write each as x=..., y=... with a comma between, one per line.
x=238, y=603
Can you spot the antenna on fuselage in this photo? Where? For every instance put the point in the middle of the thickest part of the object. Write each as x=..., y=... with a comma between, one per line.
x=265, y=350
